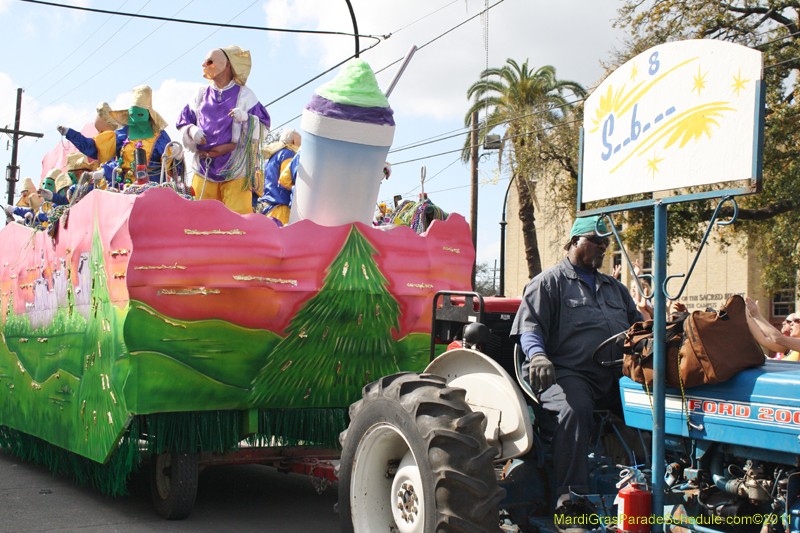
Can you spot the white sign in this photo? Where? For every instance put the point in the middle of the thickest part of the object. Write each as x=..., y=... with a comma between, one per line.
x=679, y=115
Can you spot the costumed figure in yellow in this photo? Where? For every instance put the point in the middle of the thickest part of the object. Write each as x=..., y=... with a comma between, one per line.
x=280, y=173
x=223, y=125
x=141, y=126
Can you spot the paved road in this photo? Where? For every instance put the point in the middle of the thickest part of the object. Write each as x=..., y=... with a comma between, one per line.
x=230, y=498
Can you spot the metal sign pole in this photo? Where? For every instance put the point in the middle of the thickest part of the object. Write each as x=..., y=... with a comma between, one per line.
x=659, y=359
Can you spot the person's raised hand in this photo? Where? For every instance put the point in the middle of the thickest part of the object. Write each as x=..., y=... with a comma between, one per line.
x=62, y=130
x=752, y=307
x=679, y=307
x=47, y=195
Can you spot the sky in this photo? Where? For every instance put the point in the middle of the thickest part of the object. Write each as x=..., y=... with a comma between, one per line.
x=67, y=61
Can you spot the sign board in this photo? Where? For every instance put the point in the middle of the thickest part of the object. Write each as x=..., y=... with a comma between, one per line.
x=681, y=114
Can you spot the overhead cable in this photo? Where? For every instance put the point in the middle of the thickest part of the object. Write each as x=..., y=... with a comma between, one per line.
x=200, y=22
x=445, y=33
x=559, y=125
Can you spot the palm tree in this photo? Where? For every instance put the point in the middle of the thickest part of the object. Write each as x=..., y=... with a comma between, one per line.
x=507, y=94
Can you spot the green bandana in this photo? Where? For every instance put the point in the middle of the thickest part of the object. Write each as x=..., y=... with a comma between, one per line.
x=49, y=184
x=586, y=225
x=139, y=126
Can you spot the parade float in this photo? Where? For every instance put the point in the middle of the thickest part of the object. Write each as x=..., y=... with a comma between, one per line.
x=152, y=325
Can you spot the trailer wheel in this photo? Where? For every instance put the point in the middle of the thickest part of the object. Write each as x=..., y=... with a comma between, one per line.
x=415, y=460
x=173, y=484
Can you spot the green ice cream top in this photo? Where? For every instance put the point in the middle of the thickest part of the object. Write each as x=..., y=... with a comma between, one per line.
x=354, y=85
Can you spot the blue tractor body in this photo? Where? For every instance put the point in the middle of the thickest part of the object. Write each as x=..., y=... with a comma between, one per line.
x=757, y=408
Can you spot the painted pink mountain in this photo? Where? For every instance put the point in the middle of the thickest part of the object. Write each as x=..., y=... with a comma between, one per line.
x=199, y=260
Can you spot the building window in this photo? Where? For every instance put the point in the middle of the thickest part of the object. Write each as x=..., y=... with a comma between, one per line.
x=617, y=262
x=783, y=302
x=647, y=262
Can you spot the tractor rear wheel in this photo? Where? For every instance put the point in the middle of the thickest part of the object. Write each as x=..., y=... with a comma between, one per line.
x=415, y=460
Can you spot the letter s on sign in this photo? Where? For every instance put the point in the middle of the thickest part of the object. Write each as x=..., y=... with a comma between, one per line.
x=608, y=129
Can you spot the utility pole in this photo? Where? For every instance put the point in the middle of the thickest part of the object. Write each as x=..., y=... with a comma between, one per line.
x=16, y=135
x=473, y=209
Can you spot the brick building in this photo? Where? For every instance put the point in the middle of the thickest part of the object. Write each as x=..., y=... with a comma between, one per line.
x=719, y=273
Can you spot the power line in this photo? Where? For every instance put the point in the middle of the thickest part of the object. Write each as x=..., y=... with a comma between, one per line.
x=75, y=68
x=319, y=76
x=201, y=41
x=426, y=142
x=464, y=186
x=115, y=60
x=421, y=18
x=562, y=124
x=387, y=66
x=200, y=22
x=782, y=62
x=465, y=129
x=63, y=61
x=432, y=177
x=443, y=34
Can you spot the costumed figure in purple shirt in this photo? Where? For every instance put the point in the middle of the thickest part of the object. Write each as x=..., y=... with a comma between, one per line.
x=223, y=125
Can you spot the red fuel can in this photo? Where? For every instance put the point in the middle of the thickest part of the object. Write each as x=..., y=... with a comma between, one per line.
x=634, y=509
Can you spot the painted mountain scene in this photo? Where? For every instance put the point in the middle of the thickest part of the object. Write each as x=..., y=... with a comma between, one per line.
x=155, y=304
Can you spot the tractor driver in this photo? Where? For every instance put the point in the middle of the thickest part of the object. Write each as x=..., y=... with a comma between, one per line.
x=566, y=312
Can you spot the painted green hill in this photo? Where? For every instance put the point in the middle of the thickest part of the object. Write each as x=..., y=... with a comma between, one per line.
x=181, y=365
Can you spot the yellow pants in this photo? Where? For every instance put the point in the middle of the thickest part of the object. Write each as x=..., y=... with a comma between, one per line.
x=279, y=212
x=229, y=193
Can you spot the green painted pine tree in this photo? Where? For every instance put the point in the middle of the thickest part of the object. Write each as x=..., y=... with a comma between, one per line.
x=339, y=341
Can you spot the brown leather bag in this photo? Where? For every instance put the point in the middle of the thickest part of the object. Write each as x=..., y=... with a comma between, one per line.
x=707, y=347
x=637, y=346
x=718, y=345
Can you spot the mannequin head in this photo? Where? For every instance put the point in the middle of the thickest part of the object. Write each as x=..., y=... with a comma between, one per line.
x=217, y=68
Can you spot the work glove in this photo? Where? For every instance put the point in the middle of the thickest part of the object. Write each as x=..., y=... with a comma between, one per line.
x=46, y=194
x=197, y=135
x=62, y=130
x=542, y=373
x=238, y=114
x=9, y=210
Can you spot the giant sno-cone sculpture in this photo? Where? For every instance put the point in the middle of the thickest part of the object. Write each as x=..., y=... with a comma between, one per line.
x=348, y=129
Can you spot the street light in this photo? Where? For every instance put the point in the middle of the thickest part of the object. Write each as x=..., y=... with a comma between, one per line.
x=503, y=224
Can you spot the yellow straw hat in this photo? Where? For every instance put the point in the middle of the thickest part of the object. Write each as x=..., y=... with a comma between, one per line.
x=63, y=182
x=142, y=97
x=240, y=61
x=104, y=112
x=78, y=161
x=36, y=202
x=53, y=174
x=30, y=188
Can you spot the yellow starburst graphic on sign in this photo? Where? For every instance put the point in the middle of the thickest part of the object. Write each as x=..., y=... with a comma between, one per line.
x=738, y=83
x=699, y=81
x=651, y=165
x=694, y=126
x=634, y=72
